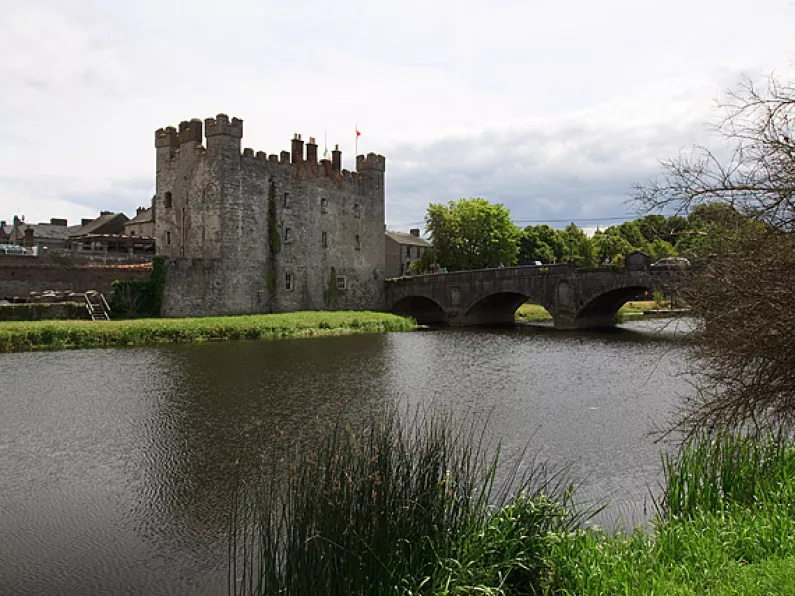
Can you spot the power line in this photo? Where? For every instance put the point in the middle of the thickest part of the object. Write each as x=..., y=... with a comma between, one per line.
x=568, y=220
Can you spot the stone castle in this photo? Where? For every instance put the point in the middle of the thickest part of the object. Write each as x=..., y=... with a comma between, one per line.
x=246, y=232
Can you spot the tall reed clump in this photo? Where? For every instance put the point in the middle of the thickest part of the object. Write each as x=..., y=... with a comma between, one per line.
x=729, y=470
x=397, y=508
x=726, y=525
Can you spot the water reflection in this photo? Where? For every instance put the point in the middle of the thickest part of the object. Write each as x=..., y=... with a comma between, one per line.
x=118, y=463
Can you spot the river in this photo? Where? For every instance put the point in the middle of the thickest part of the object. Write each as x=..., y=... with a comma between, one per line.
x=116, y=464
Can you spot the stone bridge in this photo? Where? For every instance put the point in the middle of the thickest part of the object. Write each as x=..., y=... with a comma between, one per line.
x=576, y=298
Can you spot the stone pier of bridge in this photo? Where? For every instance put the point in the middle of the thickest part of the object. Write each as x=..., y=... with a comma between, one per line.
x=576, y=298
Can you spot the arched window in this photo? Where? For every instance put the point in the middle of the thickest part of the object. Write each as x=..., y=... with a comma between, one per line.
x=168, y=200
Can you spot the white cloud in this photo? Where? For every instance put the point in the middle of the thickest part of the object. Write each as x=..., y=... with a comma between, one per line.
x=553, y=109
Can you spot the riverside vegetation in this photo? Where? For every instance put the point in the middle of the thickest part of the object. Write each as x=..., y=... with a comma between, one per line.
x=59, y=335
x=415, y=509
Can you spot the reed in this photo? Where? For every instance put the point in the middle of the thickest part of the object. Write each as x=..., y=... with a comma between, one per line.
x=397, y=508
x=60, y=335
x=725, y=526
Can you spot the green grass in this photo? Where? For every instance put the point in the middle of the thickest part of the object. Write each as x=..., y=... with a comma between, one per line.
x=396, y=508
x=59, y=335
x=726, y=526
x=412, y=509
x=531, y=313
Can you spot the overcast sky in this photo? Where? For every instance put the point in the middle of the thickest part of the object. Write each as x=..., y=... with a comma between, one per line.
x=551, y=108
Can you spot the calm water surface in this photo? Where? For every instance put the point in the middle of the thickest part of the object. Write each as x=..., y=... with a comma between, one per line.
x=116, y=464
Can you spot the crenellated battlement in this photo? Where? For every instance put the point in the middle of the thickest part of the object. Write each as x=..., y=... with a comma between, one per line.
x=220, y=125
x=371, y=162
x=190, y=131
x=166, y=137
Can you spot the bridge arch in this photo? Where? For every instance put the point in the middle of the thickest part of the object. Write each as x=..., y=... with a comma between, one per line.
x=425, y=310
x=601, y=310
x=495, y=309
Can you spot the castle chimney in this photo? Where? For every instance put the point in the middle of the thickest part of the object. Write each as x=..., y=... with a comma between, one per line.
x=56, y=221
x=415, y=232
x=298, y=149
x=336, y=160
x=311, y=152
x=139, y=210
x=85, y=222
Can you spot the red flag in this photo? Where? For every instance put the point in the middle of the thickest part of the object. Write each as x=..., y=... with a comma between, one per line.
x=358, y=134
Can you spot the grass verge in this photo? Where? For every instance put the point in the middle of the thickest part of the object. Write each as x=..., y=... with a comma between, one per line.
x=60, y=335
x=726, y=526
x=412, y=509
x=631, y=311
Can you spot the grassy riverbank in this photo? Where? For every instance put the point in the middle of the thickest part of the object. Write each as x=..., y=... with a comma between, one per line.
x=60, y=335
x=405, y=510
x=535, y=313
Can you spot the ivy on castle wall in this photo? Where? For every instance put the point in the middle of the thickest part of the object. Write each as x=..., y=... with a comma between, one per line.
x=274, y=240
x=331, y=295
x=140, y=298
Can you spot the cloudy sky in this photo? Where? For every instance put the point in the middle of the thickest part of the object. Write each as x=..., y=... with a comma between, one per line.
x=551, y=108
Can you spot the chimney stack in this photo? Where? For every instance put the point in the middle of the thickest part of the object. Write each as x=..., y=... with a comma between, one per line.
x=414, y=232
x=297, y=149
x=336, y=160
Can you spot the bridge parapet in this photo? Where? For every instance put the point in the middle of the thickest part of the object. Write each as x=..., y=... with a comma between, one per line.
x=574, y=297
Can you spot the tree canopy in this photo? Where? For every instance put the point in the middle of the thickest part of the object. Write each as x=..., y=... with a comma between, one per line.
x=472, y=234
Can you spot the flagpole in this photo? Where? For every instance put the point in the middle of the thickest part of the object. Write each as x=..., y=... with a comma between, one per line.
x=356, y=151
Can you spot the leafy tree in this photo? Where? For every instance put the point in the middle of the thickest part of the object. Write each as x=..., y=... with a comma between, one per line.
x=579, y=247
x=532, y=247
x=472, y=234
x=743, y=290
x=609, y=244
x=659, y=249
x=631, y=232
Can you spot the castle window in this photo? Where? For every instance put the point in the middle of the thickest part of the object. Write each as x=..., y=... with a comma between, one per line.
x=342, y=282
x=287, y=199
x=324, y=205
x=357, y=210
x=132, y=232
x=288, y=281
x=168, y=237
x=324, y=239
x=168, y=202
x=358, y=243
x=288, y=235
x=408, y=251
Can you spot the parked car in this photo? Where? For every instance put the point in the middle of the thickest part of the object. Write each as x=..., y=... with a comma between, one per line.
x=12, y=249
x=671, y=263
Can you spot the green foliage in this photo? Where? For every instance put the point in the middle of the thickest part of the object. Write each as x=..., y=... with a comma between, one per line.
x=472, y=234
x=425, y=263
x=659, y=249
x=140, y=298
x=395, y=507
x=609, y=245
x=274, y=237
x=539, y=243
x=331, y=295
x=725, y=528
x=579, y=247
x=60, y=335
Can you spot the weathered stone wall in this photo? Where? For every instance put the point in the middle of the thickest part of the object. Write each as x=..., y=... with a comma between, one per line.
x=42, y=312
x=219, y=214
x=19, y=276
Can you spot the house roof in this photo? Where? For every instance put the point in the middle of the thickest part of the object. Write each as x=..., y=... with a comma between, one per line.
x=407, y=239
x=144, y=216
x=49, y=231
x=106, y=223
